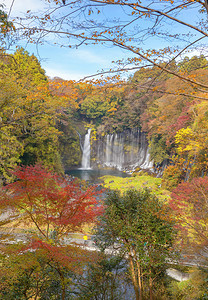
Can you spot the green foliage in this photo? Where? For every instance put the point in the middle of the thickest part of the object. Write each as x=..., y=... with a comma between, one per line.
x=127, y=114
x=137, y=182
x=94, y=106
x=191, y=64
x=26, y=68
x=28, y=115
x=25, y=275
x=103, y=280
x=135, y=216
x=192, y=289
x=153, y=73
x=134, y=222
x=10, y=151
x=69, y=143
x=158, y=149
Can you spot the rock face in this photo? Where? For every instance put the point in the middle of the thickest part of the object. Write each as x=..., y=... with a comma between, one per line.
x=124, y=151
x=178, y=275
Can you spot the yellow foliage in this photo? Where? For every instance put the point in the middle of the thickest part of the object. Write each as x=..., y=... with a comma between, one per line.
x=187, y=141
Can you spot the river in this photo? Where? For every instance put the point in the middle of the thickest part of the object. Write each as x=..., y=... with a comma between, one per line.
x=93, y=175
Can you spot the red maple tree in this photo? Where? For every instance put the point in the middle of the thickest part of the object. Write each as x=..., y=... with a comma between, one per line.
x=189, y=204
x=51, y=206
x=50, y=202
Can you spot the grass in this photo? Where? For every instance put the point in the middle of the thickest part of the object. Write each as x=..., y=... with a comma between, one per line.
x=137, y=182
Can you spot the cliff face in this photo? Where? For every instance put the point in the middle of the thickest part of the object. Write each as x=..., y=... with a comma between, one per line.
x=124, y=151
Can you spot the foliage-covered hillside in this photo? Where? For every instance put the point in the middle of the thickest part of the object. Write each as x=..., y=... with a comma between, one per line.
x=41, y=119
x=41, y=122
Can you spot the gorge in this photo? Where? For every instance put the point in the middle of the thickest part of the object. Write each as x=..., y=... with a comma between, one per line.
x=124, y=151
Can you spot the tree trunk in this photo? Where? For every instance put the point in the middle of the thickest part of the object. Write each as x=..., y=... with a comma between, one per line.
x=134, y=279
x=150, y=288
x=139, y=275
x=63, y=287
x=139, y=280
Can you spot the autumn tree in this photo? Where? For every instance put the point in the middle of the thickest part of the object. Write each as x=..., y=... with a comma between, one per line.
x=28, y=274
x=6, y=26
x=21, y=104
x=49, y=201
x=101, y=104
x=191, y=142
x=133, y=224
x=104, y=279
x=189, y=205
x=94, y=107
x=29, y=112
x=188, y=143
x=168, y=115
x=132, y=25
x=50, y=207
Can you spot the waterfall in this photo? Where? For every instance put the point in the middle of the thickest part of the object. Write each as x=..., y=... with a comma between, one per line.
x=124, y=150
x=108, y=149
x=86, y=151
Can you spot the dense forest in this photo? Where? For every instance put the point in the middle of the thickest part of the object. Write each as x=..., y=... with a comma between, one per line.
x=42, y=120
x=137, y=229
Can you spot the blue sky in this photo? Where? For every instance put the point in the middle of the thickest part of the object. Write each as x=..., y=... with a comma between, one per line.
x=71, y=63
x=65, y=62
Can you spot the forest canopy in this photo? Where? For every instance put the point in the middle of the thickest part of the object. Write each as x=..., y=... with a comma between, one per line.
x=156, y=216
x=40, y=117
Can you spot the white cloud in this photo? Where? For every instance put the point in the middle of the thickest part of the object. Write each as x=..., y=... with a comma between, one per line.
x=22, y=6
x=71, y=75
x=89, y=57
x=196, y=52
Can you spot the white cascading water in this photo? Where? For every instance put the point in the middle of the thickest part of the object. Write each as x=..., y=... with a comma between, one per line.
x=108, y=149
x=114, y=152
x=86, y=151
x=127, y=149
